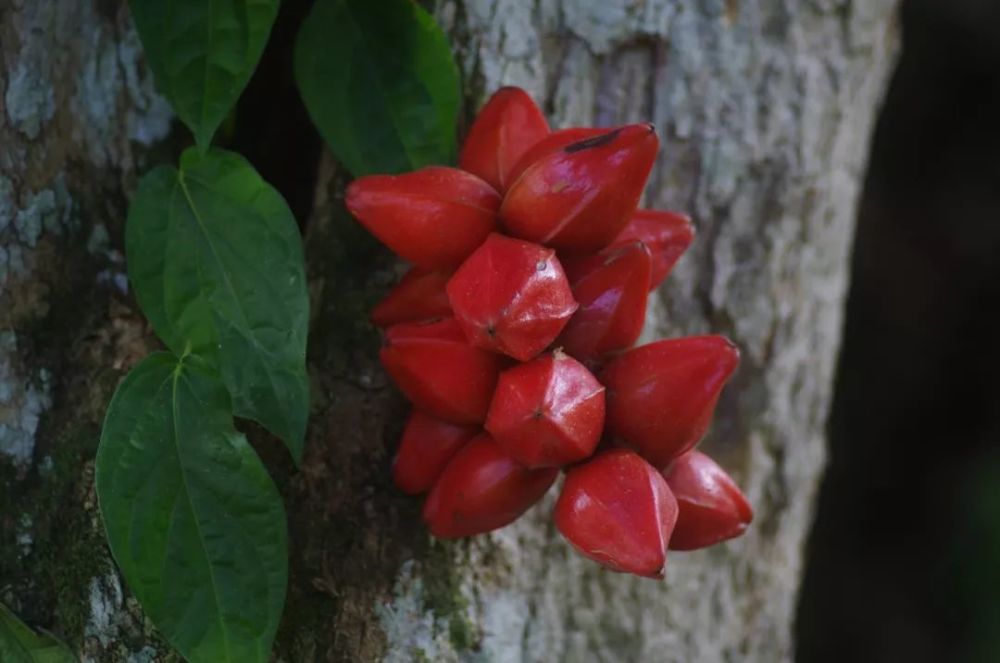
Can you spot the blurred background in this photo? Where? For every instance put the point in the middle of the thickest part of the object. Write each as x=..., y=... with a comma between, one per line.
x=904, y=559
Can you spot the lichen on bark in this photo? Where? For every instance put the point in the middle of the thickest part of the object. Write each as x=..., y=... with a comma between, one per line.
x=77, y=112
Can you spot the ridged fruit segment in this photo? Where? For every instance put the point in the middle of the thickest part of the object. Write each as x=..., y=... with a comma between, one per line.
x=439, y=372
x=667, y=235
x=419, y=295
x=425, y=449
x=512, y=297
x=579, y=198
x=548, y=412
x=612, y=297
x=661, y=396
x=482, y=489
x=434, y=217
x=617, y=510
x=711, y=507
x=506, y=126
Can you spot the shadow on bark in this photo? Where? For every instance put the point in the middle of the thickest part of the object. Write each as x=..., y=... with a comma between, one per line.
x=904, y=556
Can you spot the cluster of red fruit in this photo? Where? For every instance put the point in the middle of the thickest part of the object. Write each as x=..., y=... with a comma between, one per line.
x=516, y=348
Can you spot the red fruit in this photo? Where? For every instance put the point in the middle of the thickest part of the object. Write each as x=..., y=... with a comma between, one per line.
x=661, y=396
x=505, y=128
x=554, y=142
x=434, y=217
x=612, y=297
x=419, y=295
x=439, y=372
x=711, y=506
x=667, y=234
x=427, y=446
x=482, y=489
x=577, y=199
x=548, y=412
x=511, y=297
x=617, y=510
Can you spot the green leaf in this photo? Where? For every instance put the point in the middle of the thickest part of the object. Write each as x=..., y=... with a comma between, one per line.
x=216, y=261
x=19, y=644
x=194, y=521
x=380, y=83
x=202, y=53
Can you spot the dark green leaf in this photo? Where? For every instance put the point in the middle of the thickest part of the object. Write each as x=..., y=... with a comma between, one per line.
x=194, y=521
x=19, y=644
x=380, y=83
x=202, y=53
x=215, y=258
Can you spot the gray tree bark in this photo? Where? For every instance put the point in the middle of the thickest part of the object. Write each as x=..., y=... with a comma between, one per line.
x=764, y=109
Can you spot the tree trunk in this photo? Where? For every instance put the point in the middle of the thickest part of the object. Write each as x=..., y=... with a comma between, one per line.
x=764, y=109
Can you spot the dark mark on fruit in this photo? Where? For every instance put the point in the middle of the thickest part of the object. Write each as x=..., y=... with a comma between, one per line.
x=596, y=141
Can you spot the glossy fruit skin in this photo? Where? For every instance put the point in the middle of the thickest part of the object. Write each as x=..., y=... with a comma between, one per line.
x=612, y=295
x=554, y=142
x=482, y=489
x=439, y=372
x=548, y=412
x=511, y=296
x=419, y=295
x=578, y=199
x=434, y=217
x=661, y=396
x=506, y=126
x=470, y=332
x=667, y=234
x=711, y=507
x=617, y=510
x=425, y=449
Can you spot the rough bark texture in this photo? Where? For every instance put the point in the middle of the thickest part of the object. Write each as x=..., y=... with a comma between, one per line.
x=764, y=108
x=78, y=114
